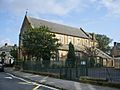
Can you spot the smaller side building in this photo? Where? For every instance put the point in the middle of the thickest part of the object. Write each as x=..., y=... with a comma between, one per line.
x=116, y=54
x=6, y=49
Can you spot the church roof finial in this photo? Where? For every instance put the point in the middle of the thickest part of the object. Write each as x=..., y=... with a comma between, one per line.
x=26, y=12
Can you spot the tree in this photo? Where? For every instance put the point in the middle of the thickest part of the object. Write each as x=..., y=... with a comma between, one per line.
x=40, y=43
x=71, y=58
x=14, y=52
x=3, y=55
x=91, y=53
x=103, y=42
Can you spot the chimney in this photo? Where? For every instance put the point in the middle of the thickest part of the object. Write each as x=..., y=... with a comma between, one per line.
x=115, y=43
x=5, y=44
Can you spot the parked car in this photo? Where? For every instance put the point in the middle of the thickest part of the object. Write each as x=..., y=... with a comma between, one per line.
x=1, y=66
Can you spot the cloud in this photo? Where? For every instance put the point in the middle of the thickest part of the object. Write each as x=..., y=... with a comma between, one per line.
x=112, y=6
x=93, y=0
x=57, y=7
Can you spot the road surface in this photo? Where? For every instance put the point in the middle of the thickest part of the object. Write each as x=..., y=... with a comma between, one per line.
x=68, y=85
x=11, y=82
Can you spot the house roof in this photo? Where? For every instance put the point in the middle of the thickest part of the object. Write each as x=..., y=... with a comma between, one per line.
x=6, y=48
x=102, y=54
x=58, y=28
x=78, y=48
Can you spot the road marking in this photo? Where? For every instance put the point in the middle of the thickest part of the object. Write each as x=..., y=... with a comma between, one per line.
x=25, y=83
x=44, y=79
x=8, y=77
x=49, y=87
x=33, y=83
x=18, y=78
x=32, y=76
x=36, y=88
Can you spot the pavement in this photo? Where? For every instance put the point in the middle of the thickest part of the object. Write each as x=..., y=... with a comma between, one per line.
x=65, y=84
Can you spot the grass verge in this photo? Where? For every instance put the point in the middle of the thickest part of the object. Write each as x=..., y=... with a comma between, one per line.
x=101, y=82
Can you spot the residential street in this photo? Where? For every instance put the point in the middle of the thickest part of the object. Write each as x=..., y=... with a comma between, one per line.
x=60, y=45
x=11, y=82
x=68, y=85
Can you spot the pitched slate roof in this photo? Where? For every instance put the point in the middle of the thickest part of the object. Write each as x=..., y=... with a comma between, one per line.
x=58, y=28
x=6, y=48
x=102, y=54
x=78, y=48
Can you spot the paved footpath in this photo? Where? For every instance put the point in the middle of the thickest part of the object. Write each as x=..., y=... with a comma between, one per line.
x=68, y=85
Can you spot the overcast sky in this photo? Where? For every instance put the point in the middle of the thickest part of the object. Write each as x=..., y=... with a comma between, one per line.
x=98, y=16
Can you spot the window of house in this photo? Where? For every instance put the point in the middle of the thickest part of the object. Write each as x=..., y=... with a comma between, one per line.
x=86, y=43
x=89, y=43
x=69, y=39
x=82, y=42
x=78, y=41
x=61, y=38
x=65, y=39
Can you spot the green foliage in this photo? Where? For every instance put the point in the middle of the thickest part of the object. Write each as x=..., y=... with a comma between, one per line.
x=93, y=79
x=71, y=58
x=13, y=53
x=99, y=81
x=2, y=55
x=40, y=43
x=91, y=54
x=91, y=62
x=103, y=42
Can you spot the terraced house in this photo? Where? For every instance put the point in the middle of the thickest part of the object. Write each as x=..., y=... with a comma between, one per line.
x=77, y=36
x=116, y=54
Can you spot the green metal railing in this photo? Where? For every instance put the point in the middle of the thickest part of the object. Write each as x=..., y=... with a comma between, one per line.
x=72, y=73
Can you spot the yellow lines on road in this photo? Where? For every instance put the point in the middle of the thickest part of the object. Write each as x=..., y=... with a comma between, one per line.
x=28, y=83
x=36, y=88
x=37, y=85
x=31, y=83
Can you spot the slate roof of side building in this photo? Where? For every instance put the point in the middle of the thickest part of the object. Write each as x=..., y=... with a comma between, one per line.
x=59, y=28
x=6, y=48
